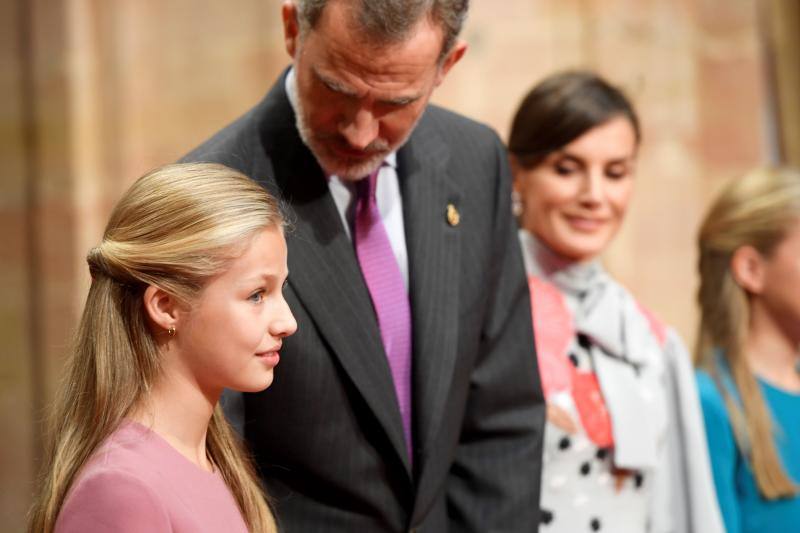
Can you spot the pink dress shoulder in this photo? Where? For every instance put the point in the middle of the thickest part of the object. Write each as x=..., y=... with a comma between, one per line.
x=136, y=481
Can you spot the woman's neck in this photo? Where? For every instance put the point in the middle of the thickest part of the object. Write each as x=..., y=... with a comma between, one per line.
x=772, y=355
x=571, y=276
x=540, y=257
x=179, y=411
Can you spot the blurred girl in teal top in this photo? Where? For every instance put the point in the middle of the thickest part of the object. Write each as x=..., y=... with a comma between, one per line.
x=747, y=349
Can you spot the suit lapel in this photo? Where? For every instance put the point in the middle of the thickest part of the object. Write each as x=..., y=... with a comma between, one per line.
x=327, y=280
x=433, y=251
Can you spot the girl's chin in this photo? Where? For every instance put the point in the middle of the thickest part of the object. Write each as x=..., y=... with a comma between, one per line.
x=260, y=385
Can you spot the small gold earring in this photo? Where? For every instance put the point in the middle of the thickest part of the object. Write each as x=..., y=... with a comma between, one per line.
x=171, y=331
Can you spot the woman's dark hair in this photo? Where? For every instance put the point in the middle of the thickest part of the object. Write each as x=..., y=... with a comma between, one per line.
x=561, y=108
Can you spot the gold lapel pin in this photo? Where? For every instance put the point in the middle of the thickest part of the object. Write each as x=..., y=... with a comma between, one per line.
x=453, y=217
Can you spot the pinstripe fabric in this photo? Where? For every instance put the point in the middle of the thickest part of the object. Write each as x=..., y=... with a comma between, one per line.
x=328, y=434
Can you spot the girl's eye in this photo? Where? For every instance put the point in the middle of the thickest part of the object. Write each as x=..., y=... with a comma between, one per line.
x=256, y=297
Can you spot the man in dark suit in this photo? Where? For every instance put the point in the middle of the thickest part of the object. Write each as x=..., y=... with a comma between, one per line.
x=420, y=410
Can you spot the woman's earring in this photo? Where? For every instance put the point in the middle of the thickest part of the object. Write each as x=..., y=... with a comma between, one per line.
x=516, y=204
x=171, y=331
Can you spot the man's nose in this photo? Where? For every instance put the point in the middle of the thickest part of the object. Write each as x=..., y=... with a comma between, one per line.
x=361, y=129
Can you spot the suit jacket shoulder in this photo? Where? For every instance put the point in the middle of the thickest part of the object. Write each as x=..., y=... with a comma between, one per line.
x=468, y=138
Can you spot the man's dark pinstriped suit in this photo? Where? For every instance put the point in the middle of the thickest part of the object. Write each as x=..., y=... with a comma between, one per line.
x=327, y=435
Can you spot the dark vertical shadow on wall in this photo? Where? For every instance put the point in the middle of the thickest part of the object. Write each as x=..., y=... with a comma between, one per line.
x=30, y=148
x=779, y=27
x=772, y=129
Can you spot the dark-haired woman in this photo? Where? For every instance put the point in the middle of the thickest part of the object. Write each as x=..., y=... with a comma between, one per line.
x=623, y=445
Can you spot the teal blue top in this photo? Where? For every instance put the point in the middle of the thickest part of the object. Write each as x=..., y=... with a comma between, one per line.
x=743, y=509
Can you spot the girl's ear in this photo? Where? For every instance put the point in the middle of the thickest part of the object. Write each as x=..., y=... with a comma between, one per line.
x=162, y=308
x=747, y=268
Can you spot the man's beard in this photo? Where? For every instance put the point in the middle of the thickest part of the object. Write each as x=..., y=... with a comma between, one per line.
x=334, y=164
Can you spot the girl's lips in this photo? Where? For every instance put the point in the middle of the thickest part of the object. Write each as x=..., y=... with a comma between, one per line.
x=271, y=358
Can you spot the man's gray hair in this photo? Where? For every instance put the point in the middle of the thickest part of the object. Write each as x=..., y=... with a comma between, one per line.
x=391, y=21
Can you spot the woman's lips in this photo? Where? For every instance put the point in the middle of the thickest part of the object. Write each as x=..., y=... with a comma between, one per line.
x=586, y=224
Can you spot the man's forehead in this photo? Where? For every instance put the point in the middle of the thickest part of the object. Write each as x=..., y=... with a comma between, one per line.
x=388, y=89
x=345, y=62
x=377, y=66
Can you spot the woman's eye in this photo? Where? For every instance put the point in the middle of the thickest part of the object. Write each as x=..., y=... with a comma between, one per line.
x=564, y=169
x=616, y=173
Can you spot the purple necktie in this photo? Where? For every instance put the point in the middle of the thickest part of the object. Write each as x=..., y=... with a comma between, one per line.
x=388, y=292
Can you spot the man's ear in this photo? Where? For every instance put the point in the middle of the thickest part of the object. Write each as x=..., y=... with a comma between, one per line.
x=291, y=28
x=747, y=268
x=162, y=308
x=453, y=56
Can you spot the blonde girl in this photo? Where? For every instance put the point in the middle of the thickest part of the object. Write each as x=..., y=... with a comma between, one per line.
x=747, y=349
x=185, y=300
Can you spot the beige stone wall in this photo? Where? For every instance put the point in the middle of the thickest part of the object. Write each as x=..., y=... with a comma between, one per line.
x=95, y=92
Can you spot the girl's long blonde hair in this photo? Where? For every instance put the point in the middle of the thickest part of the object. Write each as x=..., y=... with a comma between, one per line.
x=175, y=228
x=756, y=210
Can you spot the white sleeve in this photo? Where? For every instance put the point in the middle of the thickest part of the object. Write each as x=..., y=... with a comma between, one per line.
x=692, y=480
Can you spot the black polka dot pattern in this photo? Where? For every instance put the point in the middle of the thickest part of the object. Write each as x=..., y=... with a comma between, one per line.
x=584, y=342
x=582, y=491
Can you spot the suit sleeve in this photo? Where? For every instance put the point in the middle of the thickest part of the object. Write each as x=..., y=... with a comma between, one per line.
x=112, y=502
x=722, y=449
x=494, y=482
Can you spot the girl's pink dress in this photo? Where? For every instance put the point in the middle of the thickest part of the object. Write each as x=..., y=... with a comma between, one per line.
x=136, y=481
